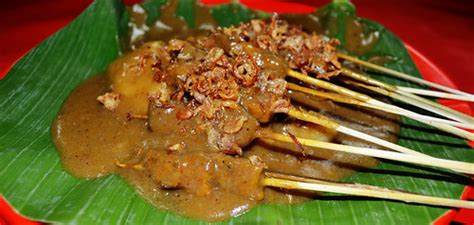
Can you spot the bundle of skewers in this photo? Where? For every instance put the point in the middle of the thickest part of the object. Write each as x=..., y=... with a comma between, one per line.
x=313, y=65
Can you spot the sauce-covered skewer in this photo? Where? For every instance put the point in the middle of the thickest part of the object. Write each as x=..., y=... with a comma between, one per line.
x=186, y=120
x=402, y=75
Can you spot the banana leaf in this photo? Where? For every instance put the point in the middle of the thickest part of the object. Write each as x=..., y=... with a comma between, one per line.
x=34, y=182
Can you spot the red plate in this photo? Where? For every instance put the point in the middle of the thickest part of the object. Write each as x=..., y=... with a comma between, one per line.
x=8, y=216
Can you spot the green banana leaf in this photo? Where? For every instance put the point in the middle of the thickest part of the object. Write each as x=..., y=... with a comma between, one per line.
x=31, y=94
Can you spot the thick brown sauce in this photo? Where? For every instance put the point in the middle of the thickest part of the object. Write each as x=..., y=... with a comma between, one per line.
x=94, y=142
x=168, y=25
x=359, y=40
x=91, y=140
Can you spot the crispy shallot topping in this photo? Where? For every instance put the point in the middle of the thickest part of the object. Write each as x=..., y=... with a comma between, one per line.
x=280, y=106
x=230, y=77
x=257, y=161
x=176, y=147
x=110, y=100
x=234, y=126
x=184, y=113
x=310, y=53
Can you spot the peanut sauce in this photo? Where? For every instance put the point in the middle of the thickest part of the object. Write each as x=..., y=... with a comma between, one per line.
x=165, y=150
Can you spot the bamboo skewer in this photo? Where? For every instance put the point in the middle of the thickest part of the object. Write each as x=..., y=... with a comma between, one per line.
x=329, y=86
x=459, y=132
x=331, y=96
x=462, y=167
x=432, y=106
x=341, y=99
x=361, y=190
x=415, y=100
x=328, y=123
x=437, y=94
x=402, y=75
x=367, y=99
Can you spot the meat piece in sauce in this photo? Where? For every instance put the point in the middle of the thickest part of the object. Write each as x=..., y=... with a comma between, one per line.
x=202, y=173
x=231, y=134
x=132, y=77
x=225, y=86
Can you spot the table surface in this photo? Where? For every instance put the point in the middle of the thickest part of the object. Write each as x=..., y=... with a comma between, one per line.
x=441, y=30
